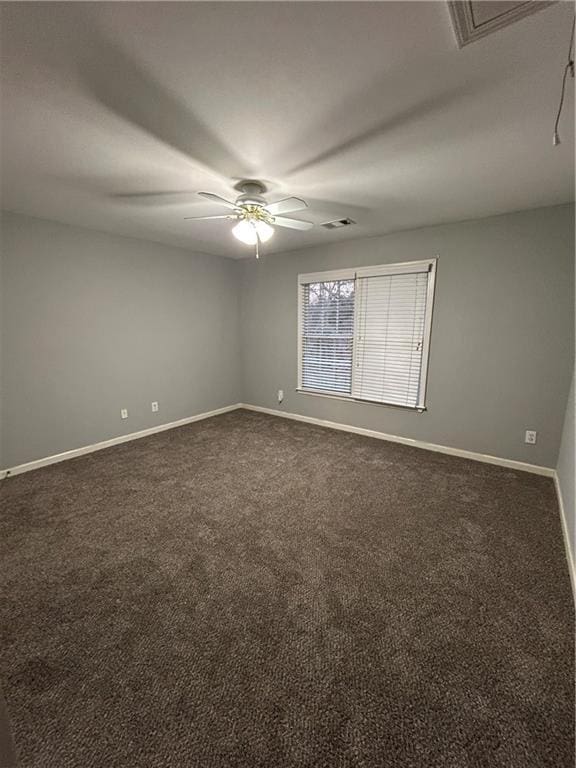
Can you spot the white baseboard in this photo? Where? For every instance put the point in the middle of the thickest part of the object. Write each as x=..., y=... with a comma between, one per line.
x=485, y=458
x=511, y=463
x=30, y=465
x=566, y=535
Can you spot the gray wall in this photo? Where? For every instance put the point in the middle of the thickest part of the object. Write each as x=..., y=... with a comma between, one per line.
x=92, y=323
x=502, y=341
x=567, y=469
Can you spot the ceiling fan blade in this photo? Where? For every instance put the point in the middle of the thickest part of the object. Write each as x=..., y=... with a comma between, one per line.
x=282, y=221
x=205, y=218
x=287, y=205
x=217, y=199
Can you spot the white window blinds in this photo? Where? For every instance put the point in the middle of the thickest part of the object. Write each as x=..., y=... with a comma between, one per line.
x=364, y=334
x=390, y=311
x=327, y=335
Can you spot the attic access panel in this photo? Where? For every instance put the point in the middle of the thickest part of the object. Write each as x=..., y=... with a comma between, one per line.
x=473, y=19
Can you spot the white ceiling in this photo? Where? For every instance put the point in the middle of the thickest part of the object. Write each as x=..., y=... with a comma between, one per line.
x=367, y=110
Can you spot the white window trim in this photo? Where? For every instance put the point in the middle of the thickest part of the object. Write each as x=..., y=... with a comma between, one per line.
x=324, y=277
x=425, y=265
x=427, y=334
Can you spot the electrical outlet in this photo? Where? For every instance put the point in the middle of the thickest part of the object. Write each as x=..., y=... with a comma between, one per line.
x=155, y=407
x=530, y=437
x=280, y=395
x=124, y=413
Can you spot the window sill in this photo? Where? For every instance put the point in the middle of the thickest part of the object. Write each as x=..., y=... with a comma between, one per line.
x=349, y=399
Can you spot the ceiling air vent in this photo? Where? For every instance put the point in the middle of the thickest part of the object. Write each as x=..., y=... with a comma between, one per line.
x=338, y=224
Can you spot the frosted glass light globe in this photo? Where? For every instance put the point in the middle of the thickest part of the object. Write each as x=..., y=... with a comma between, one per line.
x=246, y=230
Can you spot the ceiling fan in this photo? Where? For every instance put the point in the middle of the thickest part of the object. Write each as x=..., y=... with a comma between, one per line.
x=255, y=217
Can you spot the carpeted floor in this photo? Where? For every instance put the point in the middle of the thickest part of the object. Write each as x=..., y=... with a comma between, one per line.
x=252, y=592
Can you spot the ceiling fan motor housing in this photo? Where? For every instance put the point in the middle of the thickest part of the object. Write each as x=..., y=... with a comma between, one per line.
x=252, y=192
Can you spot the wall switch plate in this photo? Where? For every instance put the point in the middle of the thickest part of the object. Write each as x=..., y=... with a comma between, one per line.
x=530, y=437
x=155, y=407
x=280, y=395
x=124, y=413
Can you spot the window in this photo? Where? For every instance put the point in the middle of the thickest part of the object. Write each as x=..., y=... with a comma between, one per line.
x=364, y=334
x=327, y=335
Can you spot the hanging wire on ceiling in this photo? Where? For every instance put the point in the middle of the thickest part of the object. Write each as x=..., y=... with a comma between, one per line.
x=568, y=68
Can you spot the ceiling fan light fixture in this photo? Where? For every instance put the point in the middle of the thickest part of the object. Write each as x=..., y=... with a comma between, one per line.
x=245, y=232
x=265, y=231
x=249, y=232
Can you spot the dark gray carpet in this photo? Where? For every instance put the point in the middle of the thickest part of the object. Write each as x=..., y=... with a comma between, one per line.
x=253, y=592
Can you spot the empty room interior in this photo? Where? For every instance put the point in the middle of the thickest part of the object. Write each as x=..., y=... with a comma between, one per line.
x=287, y=408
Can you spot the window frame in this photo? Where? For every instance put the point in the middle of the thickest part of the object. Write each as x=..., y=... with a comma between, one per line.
x=403, y=267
